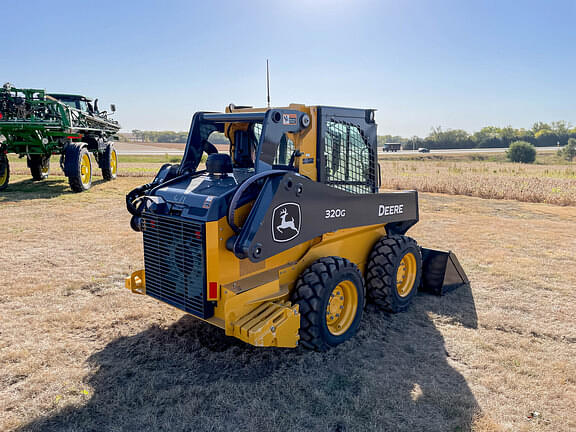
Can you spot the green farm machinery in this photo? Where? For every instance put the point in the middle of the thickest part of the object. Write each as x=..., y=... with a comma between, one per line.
x=37, y=125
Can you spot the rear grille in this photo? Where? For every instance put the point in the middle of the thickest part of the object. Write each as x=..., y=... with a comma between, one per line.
x=174, y=263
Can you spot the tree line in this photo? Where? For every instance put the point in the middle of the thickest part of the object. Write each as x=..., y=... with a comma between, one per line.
x=167, y=137
x=541, y=135
x=155, y=136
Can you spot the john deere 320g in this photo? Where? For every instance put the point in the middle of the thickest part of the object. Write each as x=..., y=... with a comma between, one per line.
x=283, y=238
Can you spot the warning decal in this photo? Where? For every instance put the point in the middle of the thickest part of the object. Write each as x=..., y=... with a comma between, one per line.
x=289, y=119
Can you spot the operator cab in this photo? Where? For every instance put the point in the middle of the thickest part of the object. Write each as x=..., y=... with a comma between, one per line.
x=243, y=141
x=78, y=102
x=248, y=148
x=336, y=146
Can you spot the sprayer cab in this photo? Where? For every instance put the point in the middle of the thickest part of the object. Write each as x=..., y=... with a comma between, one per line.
x=283, y=234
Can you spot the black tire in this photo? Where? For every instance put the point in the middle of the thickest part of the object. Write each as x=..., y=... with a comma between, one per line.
x=109, y=162
x=39, y=166
x=314, y=293
x=75, y=165
x=4, y=171
x=384, y=266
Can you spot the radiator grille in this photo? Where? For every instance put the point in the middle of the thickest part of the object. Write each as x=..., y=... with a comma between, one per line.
x=174, y=263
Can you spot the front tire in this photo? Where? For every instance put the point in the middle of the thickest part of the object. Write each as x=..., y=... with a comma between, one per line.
x=4, y=171
x=39, y=166
x=393, y=273
x=78, y=167
x=109, y=162
x=330, y=294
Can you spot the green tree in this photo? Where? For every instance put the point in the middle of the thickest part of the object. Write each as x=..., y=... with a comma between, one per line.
x=560, y=127
x=450, y=138
x=568, y=152
x=546, y=138
x=521, y=151
x=137, y=134
x=538, y=126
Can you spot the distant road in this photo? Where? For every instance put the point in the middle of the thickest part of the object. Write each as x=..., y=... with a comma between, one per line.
x=149, y=149
x=155, y=149
x=452, y=151
x=150, y=152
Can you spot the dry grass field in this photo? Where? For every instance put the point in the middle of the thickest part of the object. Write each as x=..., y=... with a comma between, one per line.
x=78, y=352
x=552, y=183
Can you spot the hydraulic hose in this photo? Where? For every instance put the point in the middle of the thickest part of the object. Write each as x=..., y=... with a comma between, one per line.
x=147, y=188
x=134, y=195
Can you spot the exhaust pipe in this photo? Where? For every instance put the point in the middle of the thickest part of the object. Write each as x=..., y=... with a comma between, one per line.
x=441, y=272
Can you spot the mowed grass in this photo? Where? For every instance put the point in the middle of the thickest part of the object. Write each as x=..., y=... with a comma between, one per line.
x=549, y=181
x=78, y=352
x=128, y=166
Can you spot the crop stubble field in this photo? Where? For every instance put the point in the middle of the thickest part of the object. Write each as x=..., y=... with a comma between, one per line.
x=551, y=182
x=80, y=353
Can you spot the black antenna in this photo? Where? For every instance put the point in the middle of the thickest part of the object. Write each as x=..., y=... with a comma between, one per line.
x=268, y=83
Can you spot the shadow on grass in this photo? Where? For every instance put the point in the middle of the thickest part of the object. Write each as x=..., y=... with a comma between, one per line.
x=393, y=376
x=26, y=190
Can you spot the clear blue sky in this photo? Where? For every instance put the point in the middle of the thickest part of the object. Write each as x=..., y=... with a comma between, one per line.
x=453, y=63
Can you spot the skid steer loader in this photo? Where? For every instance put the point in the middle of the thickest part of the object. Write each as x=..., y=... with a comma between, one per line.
x=285, y=237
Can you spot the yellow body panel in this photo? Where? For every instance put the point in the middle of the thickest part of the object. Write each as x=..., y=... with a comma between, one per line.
x=270, y=324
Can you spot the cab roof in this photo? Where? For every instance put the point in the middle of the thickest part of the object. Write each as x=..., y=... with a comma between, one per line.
x=69, y=97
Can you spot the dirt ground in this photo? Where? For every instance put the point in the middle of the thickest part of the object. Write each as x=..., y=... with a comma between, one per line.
x=78, y=352
x=138, y=146
x=133, y=147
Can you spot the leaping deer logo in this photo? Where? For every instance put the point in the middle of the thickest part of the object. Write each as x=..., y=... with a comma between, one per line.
x=285, y=224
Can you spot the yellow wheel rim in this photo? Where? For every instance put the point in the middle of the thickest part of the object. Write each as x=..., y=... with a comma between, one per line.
x=4, y=176
x=113, y=162
x=406, y=275
x=85, y=169
x=342, y=308
x=46, y=168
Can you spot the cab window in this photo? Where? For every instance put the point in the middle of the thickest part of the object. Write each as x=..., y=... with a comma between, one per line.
x=347, y=159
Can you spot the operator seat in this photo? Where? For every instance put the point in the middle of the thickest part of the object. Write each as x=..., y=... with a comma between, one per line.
x=242, y=150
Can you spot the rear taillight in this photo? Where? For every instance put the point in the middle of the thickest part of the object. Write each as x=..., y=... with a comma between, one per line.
x=1, y=116
x=212, y=290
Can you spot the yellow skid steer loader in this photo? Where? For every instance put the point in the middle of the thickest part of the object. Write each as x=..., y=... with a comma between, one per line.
x=284, y=236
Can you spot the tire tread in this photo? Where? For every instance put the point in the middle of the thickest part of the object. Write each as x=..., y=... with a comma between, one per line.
x=308, y=293
x=380, y=272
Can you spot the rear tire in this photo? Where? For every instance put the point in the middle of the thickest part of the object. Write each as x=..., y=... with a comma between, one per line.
x=109, y=162
x=330, y=294
x=393, y=273
x=4, y=171
x=78, y=167
x=39, y=166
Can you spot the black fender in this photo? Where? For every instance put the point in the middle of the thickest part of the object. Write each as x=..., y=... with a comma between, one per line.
x=292, y=209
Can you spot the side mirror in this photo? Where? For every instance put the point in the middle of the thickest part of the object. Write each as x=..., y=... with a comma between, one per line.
x=113, y=107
